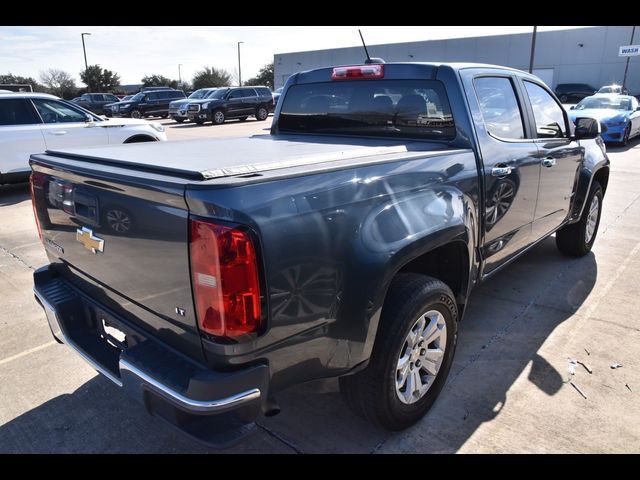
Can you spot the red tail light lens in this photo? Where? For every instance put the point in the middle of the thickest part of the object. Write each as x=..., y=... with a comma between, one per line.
x=33, y=203
x=362, y=72
x=224, y=273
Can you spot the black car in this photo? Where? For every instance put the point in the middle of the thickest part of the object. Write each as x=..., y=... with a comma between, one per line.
x=153, y=103
x=232, y=102
x=95, y=102
x=568, y=92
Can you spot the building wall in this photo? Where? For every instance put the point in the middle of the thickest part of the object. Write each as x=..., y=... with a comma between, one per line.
x=596, y=62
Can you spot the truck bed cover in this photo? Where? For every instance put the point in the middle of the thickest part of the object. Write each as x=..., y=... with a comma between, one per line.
x=220, y=158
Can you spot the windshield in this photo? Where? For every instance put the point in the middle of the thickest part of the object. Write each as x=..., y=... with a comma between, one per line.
x=137, y=97
x=611, y=89
x=614, y=103
x=219, y=93
x=385, y=108
x=198, y=94
x=210, y=93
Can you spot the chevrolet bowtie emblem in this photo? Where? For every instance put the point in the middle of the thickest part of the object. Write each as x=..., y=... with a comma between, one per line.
x=85, y=236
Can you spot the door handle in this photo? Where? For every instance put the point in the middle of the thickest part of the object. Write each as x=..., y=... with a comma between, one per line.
x=58, y=132
x=501, y=171
x=549, y=162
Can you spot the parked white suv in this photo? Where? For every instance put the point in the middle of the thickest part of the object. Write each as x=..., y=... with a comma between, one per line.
x=35, y=122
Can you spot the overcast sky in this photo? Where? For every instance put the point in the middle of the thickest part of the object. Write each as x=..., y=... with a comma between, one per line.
x=134, y=52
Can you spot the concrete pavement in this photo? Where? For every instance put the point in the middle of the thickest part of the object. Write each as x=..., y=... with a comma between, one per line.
x=507, y=390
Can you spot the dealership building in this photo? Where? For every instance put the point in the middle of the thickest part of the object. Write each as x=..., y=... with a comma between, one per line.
x=581, y=55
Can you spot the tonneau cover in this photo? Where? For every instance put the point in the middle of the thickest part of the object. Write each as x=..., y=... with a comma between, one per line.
x=224, y=157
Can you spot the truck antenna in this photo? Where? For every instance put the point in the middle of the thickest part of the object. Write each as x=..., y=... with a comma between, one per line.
x=369, y=60
x=365, y=47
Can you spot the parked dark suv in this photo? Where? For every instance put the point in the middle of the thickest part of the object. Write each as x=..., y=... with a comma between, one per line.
x=567, y=92
x=95, y=102
x=232, y=102
x=147, y=104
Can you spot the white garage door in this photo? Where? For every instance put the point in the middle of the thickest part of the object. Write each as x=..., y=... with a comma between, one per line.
x=544, y=74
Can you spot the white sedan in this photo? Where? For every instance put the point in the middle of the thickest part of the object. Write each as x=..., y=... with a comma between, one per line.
x=35, y=122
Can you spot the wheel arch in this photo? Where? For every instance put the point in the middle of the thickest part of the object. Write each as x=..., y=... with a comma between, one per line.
x=140, y=137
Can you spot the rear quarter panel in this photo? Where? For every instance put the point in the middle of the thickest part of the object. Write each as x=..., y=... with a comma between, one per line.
x=331, y=242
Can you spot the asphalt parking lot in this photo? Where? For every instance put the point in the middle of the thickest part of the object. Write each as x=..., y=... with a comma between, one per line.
x=507, y=391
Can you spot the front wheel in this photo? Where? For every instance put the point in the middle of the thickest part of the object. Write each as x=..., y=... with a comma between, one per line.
x=178, y=119
x=136, y=114
x=218, y=117
x=262, y=113
x=411, y=357
x=626, y=135
x=577, y=239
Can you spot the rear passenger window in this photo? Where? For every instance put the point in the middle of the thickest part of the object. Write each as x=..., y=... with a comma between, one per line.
x=499, y=106
x=548, y=114
x=17, y=111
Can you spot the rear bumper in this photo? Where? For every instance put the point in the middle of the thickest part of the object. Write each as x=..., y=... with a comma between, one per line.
x=217, y=408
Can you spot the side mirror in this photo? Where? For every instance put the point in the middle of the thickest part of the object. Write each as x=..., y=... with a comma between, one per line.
x=572, y=107
x=88, y=118
x=587, y=128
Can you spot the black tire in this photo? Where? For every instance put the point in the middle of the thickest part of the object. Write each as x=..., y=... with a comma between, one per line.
x=627, y=134
x=218, y=117
x=199, y=122
x=572, y=239
x=243, y=119
x=164, y=116
x=135, y=113
x=564, y=98
x=371, y=393
x=179, y=120
x=262, y=113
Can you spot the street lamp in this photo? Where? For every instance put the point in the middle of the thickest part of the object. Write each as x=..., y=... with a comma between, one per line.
x=84, y=50
x=239, y=70
x=179, y=74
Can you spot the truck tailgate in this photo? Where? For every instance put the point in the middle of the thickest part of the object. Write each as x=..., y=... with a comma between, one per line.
x=122, y=239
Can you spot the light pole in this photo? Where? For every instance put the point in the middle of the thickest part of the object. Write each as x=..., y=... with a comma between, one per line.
x=84, y=50
x=179, y=74
x=626, y=67
x=239, y=69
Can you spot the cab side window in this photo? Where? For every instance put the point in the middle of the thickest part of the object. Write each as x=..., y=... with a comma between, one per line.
x=53, y=111
x=499, y=106
x=548, y=114
x=235, y=94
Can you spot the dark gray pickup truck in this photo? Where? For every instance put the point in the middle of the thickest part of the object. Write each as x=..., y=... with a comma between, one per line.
x=204, y=277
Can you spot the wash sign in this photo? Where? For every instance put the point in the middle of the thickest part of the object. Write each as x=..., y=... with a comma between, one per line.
x=629, y=51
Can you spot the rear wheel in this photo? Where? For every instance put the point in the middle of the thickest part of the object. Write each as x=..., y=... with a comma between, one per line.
x=164, y=116
x=577, y=239
x=262, y=113
x=179, y=120
x=136, y=114
x=218, y=117
x=412, y=355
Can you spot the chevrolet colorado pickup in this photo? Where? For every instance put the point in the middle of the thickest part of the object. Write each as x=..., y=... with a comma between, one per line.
x=204, y=277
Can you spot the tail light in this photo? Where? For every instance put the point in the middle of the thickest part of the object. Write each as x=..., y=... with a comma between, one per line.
x=224, y=274
x=362, y=72
x=33, y=204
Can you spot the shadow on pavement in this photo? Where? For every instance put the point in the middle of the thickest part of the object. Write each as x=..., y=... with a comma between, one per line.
x=509, y=318
x=14, y=193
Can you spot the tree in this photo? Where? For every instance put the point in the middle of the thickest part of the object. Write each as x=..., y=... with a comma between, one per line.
x=158, y=81
x=10, y=78
x=100, y=79
x=211, y=77
x=59, y=83
x=264, y=77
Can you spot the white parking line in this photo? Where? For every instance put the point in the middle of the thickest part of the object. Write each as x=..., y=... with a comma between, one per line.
x=27, y=352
